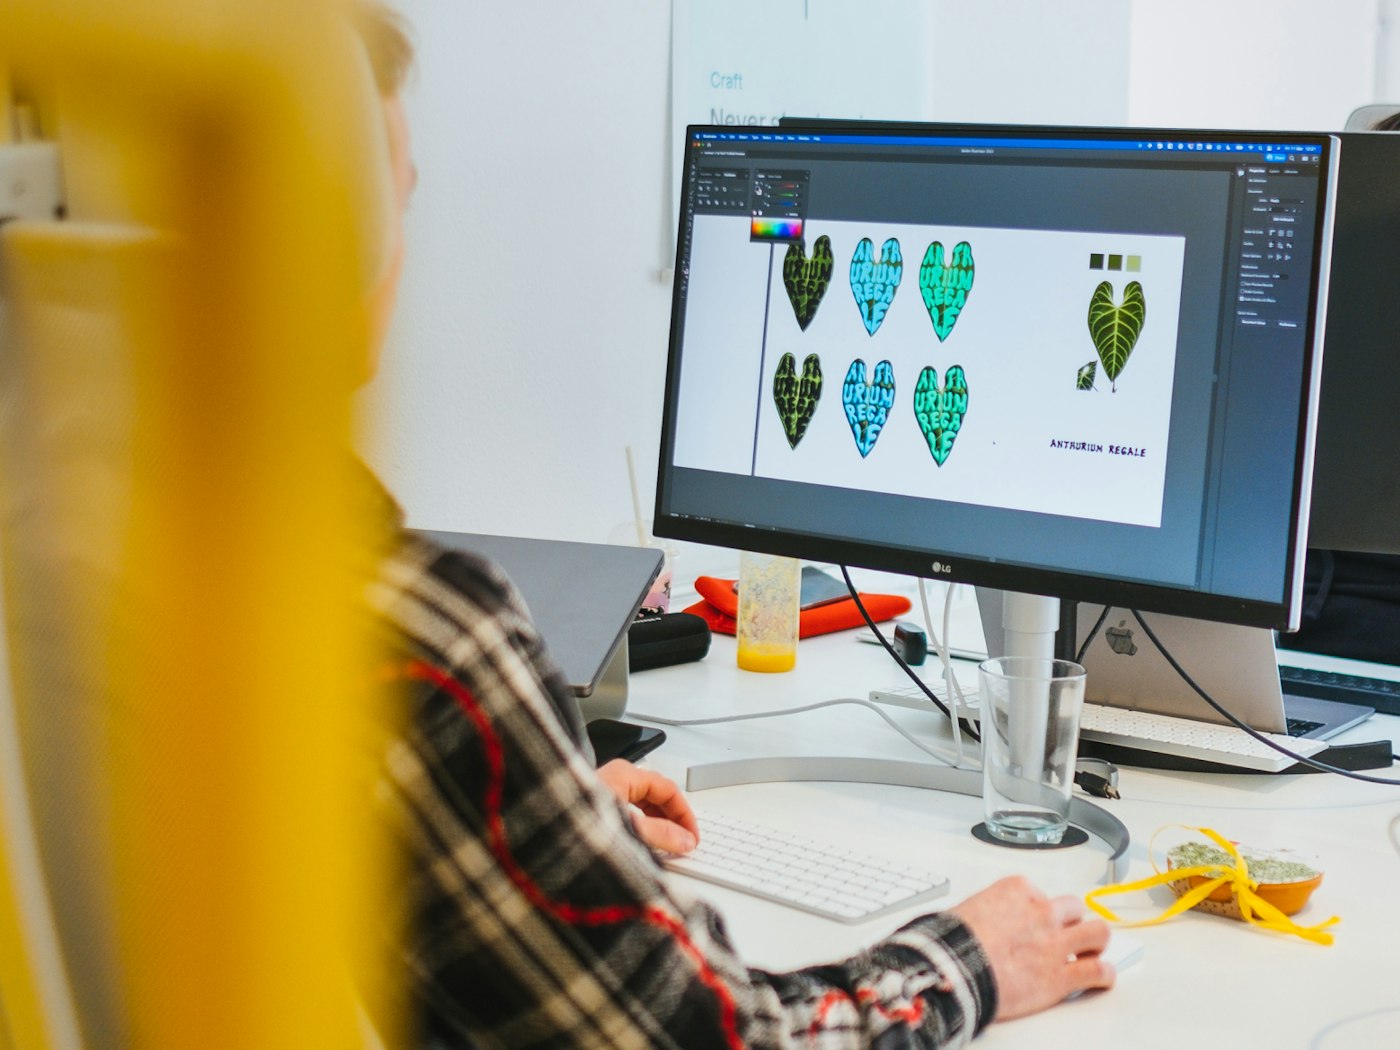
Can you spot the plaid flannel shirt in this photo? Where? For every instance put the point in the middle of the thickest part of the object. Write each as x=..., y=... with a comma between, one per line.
x=537, y=918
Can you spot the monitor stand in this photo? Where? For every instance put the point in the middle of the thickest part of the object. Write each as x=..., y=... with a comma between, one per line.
x=1030, y=623
x=896, y=773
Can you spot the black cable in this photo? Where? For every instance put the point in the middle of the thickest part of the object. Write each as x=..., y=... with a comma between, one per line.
x=1093, y=784
x=1320, y=766
x=1093, y=633
x=894, y=654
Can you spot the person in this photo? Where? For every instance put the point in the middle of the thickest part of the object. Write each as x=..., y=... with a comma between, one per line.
x=538, y=915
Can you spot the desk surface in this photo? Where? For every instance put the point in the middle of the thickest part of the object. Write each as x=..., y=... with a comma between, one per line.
x=1198, y=974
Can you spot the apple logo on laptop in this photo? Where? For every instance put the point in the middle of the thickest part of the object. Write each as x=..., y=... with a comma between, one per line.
x=1120, y=639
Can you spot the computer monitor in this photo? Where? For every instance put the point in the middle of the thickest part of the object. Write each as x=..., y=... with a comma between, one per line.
x=1069, y=362
x=1356, y=482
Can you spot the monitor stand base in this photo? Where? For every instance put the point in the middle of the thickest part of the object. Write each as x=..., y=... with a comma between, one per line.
x=896, y=773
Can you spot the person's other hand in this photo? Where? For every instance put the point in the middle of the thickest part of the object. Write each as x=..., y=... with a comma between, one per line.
x=1041, y=950
x=662, y=816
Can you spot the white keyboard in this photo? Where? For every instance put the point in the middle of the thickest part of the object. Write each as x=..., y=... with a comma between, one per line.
x=1164, y=734
x=1189, y=738
x=820, y=878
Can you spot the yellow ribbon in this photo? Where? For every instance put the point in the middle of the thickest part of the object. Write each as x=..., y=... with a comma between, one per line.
x=1255, y=910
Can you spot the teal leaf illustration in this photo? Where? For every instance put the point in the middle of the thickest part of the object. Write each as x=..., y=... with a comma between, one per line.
x=807, y=280
x=797, y=396
x=874, y=281
x=940, y=410
x=946, y=285
x=868, y=404
x=1115, y=327
x=1087, y=374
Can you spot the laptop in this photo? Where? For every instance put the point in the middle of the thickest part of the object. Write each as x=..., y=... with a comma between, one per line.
x=1237, y=666
x=582, y=598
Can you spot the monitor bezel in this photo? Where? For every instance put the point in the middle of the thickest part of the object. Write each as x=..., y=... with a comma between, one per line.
x=926, y=561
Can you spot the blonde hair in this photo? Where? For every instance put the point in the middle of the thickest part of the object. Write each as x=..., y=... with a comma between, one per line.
x=387, y=42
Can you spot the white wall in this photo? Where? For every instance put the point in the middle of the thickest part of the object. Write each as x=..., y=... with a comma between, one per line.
x=1299, y=64
x=1031, y=61
x=530, y=345
x=1387, y=87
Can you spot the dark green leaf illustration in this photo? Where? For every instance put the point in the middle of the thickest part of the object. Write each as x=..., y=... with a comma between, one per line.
x=940, y=411
x=1087, y=374
x=1115, y=327
x=806, y=280
x=868, y=404
x=797, y=396
x=874, y=281
x=946, y=285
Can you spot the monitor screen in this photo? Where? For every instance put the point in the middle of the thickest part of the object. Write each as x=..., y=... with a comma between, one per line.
x=1356, y=481
x=1068, y=362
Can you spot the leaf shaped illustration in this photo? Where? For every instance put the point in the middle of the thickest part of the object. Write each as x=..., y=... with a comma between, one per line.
x=797, y=396
x=946, y=285
x=875, y=280
x=868, y=404
x=940, y=410
x=1087, y=374
x=806, y=280
x=1115, y=327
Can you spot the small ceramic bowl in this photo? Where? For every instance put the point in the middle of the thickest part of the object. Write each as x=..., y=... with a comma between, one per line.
x=1286, y=879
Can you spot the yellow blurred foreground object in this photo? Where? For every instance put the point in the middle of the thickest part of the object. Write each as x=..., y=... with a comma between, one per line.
x=189, y=665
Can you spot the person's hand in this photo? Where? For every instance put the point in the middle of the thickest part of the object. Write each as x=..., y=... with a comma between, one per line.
x=1041, y=950
x=662, y=816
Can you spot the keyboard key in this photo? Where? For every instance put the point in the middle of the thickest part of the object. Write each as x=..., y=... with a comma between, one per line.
x=1381, y=693
x=824, y=879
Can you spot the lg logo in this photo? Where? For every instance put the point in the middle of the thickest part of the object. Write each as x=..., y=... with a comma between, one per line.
x=939, y=569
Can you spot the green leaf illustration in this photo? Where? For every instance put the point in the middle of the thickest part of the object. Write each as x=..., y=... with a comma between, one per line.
x=797, y=396
x=940, y=410
x=806, y=280
x=1087, y=375
x=1115, y=327
x=946, y=285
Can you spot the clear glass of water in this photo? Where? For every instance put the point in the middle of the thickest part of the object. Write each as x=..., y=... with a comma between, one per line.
x=1030, y=738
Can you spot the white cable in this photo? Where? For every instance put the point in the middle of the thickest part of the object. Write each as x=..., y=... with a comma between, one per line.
x=954, y=761
x=948, y=680
x=953, y=688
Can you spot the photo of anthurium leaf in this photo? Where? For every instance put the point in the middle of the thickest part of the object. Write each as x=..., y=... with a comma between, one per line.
x=797, y=396
x=1115, y=327
x=806, y=279
x=1087, y=374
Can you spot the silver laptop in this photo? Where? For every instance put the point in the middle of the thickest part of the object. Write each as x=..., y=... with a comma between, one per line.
x=1237, y=666
x=582, y=597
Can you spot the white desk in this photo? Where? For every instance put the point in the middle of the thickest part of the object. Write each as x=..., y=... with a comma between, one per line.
x=1200, y=976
